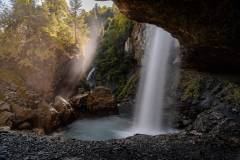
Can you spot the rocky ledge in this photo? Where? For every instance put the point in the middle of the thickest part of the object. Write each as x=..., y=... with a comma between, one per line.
x=45, y=118
x=208, y=30
x=187, y=146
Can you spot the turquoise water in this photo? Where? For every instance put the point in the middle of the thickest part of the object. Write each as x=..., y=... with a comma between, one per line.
x=104, y=128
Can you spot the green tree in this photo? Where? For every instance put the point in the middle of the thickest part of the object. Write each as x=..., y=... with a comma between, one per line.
x=57, y=7
x=75, y=8
x=112, y=61
x=58, y=27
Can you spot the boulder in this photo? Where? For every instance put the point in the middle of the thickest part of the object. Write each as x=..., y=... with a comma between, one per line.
x=24, y=126
x=207, y=120
x=60, y=101
x=5, y=129
x=64, y=109
x=6, y=118
x=21, y=114
x=229, y=131
x=39, y=131
x=1, y=102
x=79, y=101
x=5, y=107
x=101, y=101
x=46, y=117
x=222, y=121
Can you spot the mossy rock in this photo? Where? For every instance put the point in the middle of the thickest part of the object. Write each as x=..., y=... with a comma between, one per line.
x=13, y=80
x=190, y=84
x=130, y=87
x=232, y=94
x=11, y=77
x=2, y=97
x=195, y=85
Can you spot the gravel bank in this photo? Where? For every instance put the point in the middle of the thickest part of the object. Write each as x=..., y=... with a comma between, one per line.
x=18, y=145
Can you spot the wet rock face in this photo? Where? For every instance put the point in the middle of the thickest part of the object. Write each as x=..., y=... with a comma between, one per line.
x=138, y=41
x=79, y=102
x=64, y=110
x=47, y=118
x=208, y=30
x=208, y=104
x=101, y=100
x=222, y=121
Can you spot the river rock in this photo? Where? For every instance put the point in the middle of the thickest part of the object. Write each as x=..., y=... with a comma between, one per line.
x=101, y=101
x=1, y=102
x=22, y=114
x=6, y=118
x=5, y=129
x=39, y=131
x=24, y=126
x=64, y=109
x=79, y=101
x=207, y=120
x=5, y=107
x=47, y=117
x=221, y=121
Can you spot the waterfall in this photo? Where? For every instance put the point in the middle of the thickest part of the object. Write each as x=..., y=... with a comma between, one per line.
x=159, y=72
x=91, y=80
x=148, y=118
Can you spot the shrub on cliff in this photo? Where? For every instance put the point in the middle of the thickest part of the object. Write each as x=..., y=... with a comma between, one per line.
x=113, y=63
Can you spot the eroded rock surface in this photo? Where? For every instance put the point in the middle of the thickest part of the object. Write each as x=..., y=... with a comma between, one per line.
x=101, y=100
x=208, y=30
x=209, y=104
x=45, y=118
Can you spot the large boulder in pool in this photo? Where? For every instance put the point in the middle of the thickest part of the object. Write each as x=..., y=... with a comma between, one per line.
x=64, y=109
x=101, y=101
x=46, y=117
x=79, y=102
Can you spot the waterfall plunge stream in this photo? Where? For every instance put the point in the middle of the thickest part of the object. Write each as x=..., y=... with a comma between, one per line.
x=148, y=118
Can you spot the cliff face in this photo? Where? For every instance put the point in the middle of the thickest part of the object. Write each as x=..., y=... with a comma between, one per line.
x=208, y=30
x=138, y=38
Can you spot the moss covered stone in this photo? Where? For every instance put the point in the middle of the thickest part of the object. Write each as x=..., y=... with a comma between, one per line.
x=232, y=94
x=199, y=88
x=11, y=77
x=130, y=88
x=190, y=84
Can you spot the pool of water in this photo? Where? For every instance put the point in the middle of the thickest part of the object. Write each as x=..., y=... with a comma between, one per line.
x=106, y=128
x=103, y=128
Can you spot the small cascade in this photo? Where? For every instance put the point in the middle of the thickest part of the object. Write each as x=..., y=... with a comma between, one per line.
x=91, y=78
x=148, y=118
